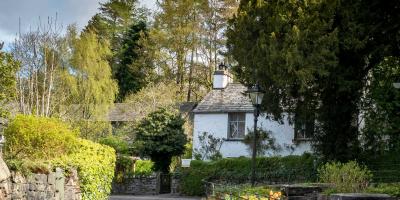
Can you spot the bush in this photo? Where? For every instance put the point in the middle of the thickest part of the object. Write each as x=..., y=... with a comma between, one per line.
x=348, y=177
x=237, y=170
x=160, y=136
x=392, y=189
x=121, y=146
x=143, y=167
x=95, y=164
x=37, y=138
x=38, y=144
x=247, y=192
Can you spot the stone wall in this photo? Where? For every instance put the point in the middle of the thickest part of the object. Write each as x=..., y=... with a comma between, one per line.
x=52, y=186
x=136, y=185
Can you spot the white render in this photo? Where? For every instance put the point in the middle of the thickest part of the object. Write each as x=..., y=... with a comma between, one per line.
x=221, y=80
x=217, y=125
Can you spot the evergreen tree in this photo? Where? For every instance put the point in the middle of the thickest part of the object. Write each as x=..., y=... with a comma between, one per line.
x=130, y=73
x=160, y=136
x=313, y=58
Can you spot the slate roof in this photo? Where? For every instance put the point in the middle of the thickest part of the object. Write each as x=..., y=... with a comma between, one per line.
x=230, y=99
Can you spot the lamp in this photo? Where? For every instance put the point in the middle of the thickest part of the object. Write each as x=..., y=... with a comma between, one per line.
x=256, y=95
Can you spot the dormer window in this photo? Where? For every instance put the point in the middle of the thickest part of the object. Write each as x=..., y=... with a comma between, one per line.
x=236, y=125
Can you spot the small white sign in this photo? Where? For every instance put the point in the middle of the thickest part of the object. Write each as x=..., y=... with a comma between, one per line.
x=186, y=162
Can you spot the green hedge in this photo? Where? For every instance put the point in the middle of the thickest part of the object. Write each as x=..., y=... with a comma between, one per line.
x=238, y=170
x=385, y=167
x=35, y=138
x=95, y=164
x=39, y=144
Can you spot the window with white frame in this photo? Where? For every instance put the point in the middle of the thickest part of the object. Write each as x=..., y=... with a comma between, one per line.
x=236, y=125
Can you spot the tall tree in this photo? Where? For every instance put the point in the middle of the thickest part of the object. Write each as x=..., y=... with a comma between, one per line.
x=8, y=70
x=313, y=57
x=95, y=90
x=381, y=133
x=114, y=18
x=40, y=53
x=123, y=24
x=132, y=73
x=189, y=39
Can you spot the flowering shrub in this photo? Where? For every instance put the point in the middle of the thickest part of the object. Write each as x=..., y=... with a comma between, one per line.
x=245, y=192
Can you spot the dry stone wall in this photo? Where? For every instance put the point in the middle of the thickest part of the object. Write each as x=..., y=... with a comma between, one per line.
x=136, y=185
x=52, y=186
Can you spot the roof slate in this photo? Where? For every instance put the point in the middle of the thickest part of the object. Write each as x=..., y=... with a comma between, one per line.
x=230, y=99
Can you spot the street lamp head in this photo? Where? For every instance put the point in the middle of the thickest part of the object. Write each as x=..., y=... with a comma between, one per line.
x=256, y=94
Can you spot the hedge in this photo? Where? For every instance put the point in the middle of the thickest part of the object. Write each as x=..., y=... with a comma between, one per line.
x=289, y=169
x=39, y=144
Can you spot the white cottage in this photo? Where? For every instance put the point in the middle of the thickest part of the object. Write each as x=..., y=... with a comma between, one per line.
x=226, y=112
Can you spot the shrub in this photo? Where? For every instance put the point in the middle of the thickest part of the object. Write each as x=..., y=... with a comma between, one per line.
x=121, y=146
x=237, y=170
x=143, y=167
x=247, y=192
x=392, y=189
x=38, y=144
x=95, y=164
x=348, y=177
x=160, y=136
x=209, y=147
x=37, y=138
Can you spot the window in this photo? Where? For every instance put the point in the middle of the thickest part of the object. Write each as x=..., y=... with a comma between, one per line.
x=304, y=129
x=236, y=125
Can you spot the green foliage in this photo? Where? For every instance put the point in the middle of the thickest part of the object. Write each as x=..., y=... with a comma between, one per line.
x=38, y=144
x=385, y=167
x=392, y=189
x=8, y=69
x=382, y=119
x=349, y=177
x=93, y=89
x=238, y=170
x=209, y=147
x=245, y=191
x=160, y=136
x=37, y=138
x=95, y=164
x=264, y=143
x=143, y=167
x=121, y=146
x=312, y=58
x=131, y=74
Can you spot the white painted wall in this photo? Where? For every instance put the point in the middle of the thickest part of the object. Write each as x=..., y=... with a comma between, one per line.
x=217, y=124
x=220, y=81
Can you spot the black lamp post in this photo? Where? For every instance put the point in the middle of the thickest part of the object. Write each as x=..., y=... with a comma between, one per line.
x=256, y=95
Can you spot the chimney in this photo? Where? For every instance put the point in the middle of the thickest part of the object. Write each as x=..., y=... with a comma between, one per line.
x=221, y=77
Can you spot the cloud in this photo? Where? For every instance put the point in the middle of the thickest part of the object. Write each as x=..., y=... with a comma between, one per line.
x=29, y=11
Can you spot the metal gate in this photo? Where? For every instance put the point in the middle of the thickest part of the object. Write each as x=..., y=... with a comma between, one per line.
x=164, y=183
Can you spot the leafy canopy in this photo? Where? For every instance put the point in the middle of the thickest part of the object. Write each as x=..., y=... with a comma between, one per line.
x=8, y=70
x=160, y=136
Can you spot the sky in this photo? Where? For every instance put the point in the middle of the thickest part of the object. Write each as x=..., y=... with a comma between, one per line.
x=29, y=11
